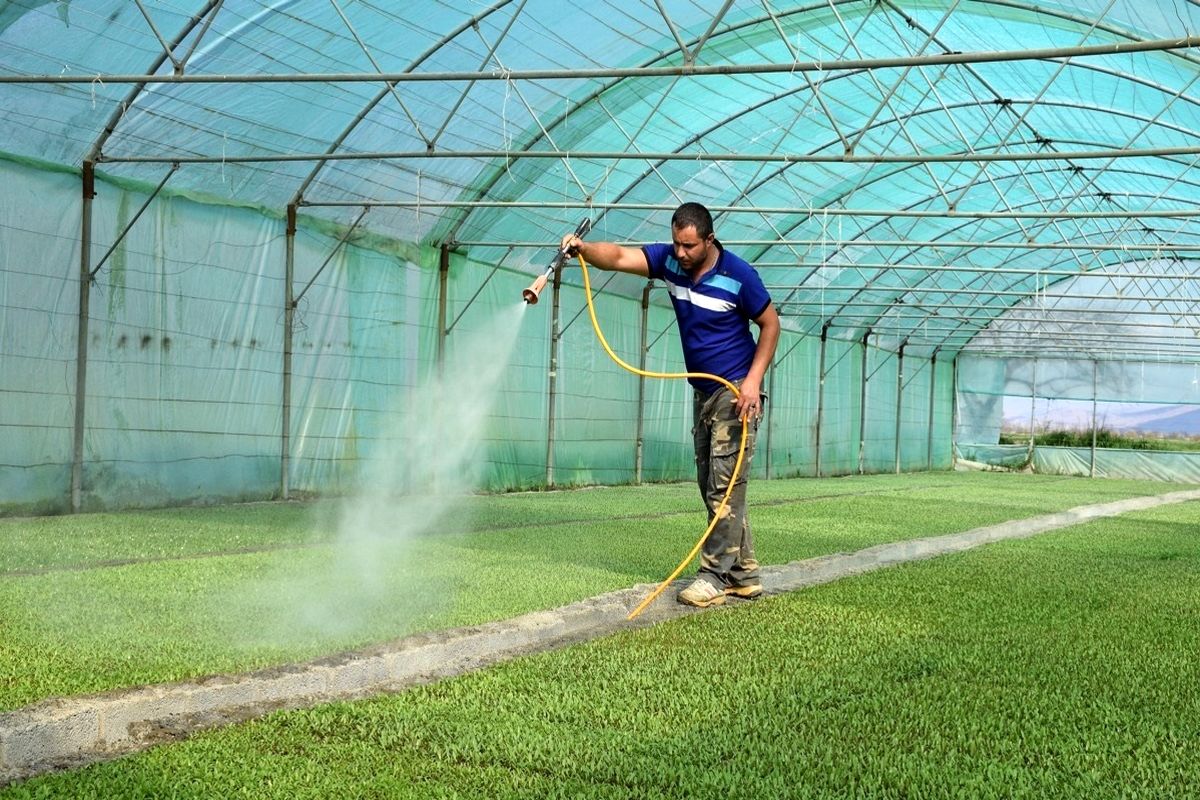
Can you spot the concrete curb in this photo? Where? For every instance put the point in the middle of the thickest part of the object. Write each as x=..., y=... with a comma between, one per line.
x=69, y=732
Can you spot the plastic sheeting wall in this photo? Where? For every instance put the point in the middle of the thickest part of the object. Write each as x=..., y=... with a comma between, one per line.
x=984, y=382
x=185, y=354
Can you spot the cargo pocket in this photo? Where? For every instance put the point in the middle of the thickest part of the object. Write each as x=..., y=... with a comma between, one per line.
x=727, y=438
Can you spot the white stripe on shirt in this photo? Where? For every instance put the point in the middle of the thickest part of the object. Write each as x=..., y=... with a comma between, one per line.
x=702, y=300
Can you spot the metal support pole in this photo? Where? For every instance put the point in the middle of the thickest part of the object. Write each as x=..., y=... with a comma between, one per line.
x=929, y=430
x=899, y=398
x=81, y=343
x=862, y=409
x=639, y=447
x=1095, y=381
x=954, y=412
x=555, y=334
x=1032, y=410
x=289, y=327
x=443, y=285
x=133, y=221
x=769, y=425
x=821, y=395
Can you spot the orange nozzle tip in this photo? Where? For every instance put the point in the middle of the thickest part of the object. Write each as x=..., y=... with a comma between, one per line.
x=530, y=295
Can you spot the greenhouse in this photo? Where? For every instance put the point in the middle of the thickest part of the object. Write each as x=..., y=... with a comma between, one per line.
x=298, y=385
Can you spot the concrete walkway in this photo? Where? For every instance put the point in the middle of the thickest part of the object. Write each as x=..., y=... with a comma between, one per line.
x=69, y=732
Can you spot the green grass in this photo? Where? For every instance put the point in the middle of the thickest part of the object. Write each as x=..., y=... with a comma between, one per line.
x=1104, y=438
x=1058, y=666
x=191, y=602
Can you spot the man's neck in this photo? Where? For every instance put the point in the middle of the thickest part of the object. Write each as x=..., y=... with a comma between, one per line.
x=714, y=255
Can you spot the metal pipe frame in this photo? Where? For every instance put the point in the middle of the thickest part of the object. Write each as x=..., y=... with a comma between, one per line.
x=862, y=408
x=903, y=290
x=702, y=157
x=1125, y=355
x=86, y=273
x=1095, y=377
x=954, y=412
x=289, y=327
x=129, y=225
x=983, y=327
x=1032, y=272
x=643, y=348
x=820, y=398
x=555, y=337
x=889, y=243
x=336, y=248
x=681, y=71
x=585, y=206
x=899, y=398
x=929, y=426
x=1010, y=312
x=1076, y=337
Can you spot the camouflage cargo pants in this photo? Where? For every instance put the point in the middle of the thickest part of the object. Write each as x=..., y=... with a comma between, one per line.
x=727, y=558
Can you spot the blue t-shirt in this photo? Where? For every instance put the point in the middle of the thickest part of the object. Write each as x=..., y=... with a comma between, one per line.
x=714, y=315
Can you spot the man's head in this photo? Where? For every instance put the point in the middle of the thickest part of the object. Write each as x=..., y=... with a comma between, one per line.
x=692, y=235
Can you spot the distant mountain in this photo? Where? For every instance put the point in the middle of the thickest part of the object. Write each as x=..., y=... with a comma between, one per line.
x=1160, y=420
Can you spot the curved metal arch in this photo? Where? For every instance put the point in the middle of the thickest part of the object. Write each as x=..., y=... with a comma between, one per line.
x=895, y=119
x=1073, y=18
x=336, y=144
x=977, y=323
x=699, y=136
x=1001, y=306
x=631, y=185
x=960, y=223
x=1015, y=303
x=538, y=135
x=122, y=108
x=1014, y=284
x=1120, y=75
x=957, y=227
x=482, y=190
x=1012, y=176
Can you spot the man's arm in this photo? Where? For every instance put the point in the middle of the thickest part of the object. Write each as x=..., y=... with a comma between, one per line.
x=607, y=255
x=750, y=400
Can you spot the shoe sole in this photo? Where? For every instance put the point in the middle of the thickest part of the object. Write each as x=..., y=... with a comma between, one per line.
x=744, y=592
x=716, y=601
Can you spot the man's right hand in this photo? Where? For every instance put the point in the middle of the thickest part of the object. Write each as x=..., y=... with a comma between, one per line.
x=571, y=244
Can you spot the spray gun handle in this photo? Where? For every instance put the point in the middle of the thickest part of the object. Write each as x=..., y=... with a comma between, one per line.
x=530, y=295
x=581, y=230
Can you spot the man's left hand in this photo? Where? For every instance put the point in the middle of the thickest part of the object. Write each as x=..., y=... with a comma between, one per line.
x=749, y=402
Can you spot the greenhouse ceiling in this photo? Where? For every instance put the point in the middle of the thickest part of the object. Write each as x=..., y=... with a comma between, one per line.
x=1008, y=178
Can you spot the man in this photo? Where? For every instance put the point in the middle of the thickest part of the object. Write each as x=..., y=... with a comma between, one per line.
x=715, y=294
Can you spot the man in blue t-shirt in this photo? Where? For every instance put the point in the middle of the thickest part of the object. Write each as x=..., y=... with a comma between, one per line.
x=716, y=295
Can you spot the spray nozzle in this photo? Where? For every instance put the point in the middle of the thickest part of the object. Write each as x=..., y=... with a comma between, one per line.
x=530, y=294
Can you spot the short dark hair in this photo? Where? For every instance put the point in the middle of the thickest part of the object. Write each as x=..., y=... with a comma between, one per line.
x=693, y=215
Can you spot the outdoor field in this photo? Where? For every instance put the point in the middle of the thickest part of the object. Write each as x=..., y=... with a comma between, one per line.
x=555, y=399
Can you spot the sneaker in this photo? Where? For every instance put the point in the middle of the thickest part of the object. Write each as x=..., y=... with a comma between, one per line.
x=701, y=594
x=747, y=592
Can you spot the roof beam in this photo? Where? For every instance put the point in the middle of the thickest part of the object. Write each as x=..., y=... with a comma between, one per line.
x=582, y=205
x=1041, y=296
x=941, y=245
x=694, y=157
x=574, y=74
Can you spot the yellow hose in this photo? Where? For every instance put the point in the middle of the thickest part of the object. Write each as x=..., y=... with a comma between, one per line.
x=737, y=467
